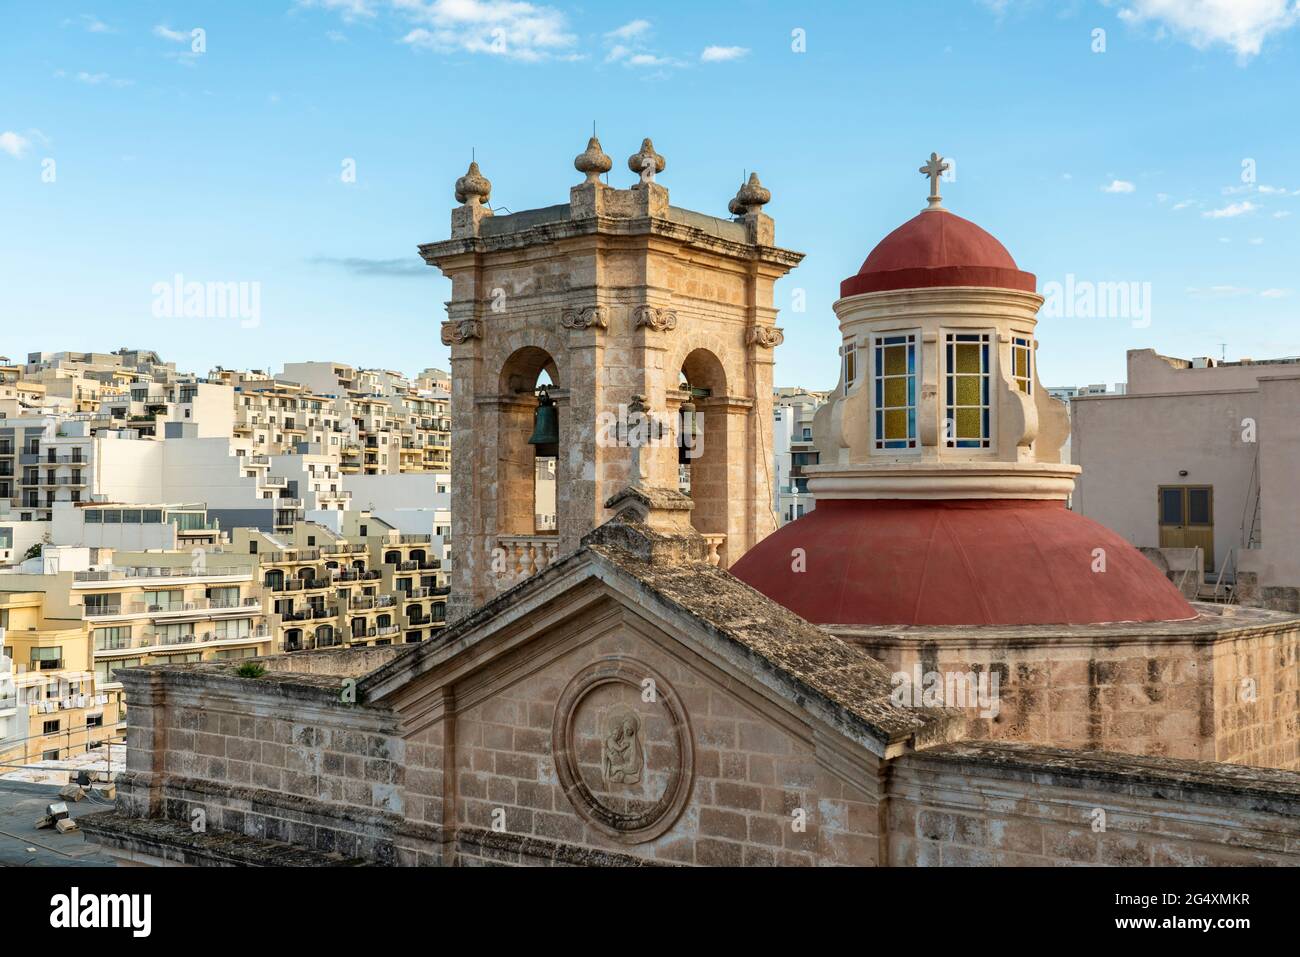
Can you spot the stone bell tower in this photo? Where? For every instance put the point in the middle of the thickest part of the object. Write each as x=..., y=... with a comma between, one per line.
x=625, y=308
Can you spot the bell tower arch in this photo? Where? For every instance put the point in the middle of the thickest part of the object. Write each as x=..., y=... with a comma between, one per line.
x=614, y=302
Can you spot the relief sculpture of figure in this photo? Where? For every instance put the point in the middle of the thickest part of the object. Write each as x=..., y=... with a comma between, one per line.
x=622, y=757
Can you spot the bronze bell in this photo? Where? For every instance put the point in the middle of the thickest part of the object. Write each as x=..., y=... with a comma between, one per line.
x=545, y=439
x=687, y=433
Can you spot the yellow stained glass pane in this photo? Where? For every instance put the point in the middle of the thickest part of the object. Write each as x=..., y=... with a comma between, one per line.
x=1023, y=385
x=968, y=357
x=896, y=360
x=895, y=393
x=968, y=424
x=1022, y=363
x=968, y=389
x=896, y=424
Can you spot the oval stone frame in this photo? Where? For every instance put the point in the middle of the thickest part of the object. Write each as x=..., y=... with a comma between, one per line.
x=624, y=828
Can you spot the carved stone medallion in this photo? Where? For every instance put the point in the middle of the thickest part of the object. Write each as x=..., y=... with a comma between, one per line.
x=623, y=749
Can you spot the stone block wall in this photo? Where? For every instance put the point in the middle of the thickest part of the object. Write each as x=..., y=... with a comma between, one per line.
x=266, y=758
x=970, y=805
x=1167, y=690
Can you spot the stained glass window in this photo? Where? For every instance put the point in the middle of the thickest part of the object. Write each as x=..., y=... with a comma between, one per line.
x=894, y=381
x=850, y=353
x=1022, y=363
x=966, y=385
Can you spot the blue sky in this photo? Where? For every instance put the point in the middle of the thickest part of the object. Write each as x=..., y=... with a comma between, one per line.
x=225, y=165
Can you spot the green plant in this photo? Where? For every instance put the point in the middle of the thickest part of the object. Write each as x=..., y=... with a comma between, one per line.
x=33, y=552
x=250, y=669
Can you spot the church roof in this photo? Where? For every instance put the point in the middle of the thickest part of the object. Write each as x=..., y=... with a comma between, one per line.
x=765, y=642
x=956, y=562
x=937, y=248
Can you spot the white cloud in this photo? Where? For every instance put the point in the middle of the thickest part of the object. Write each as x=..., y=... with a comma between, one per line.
x=1118, y=186
x=1282, y=214
x=716, y=54
x=1183, y=204
x=1231, y=210
x=98, y=79
x=617, y=52
x=627, y=31
x=1256, y=240
x=1242, y=25
x=1222, y=292
x=349, y=10
x=92, y=24
x=167, y=33
x=13, y=144
x=647, y=59
x=1276, y=293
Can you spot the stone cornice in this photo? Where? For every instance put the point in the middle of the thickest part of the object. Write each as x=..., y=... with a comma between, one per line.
x=436, y=253
x=944, y=480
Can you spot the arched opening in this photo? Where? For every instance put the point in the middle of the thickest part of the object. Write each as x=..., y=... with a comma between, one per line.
x=702, y=452
x=418, y=555
x=274, y=579
x=392, y=558
x=358, y=628
x=325, y=636
x=293, y=639
x=528, y=442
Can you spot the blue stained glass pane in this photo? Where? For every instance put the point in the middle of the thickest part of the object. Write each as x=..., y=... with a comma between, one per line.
x=984, y=391
x=880, y=360
x=986, y=423
x=880, y=392
x=985, y=358
x=911, y=391
x=911, y=359
x=911, y=423
x=949, y=388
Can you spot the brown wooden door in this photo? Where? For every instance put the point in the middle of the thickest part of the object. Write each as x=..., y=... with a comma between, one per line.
x=1186, y=516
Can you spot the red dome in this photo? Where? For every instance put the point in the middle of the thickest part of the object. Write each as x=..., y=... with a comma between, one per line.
x=937, y=248
x=990, y=562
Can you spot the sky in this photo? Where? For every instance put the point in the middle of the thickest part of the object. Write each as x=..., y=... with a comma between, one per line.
x=302, y=149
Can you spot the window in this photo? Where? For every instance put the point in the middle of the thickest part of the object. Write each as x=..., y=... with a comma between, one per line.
x=113, y=639
x=50, y=727
x=966, y=375
x=1022, y=363
x=94, y=721
x=850, y=353
x=46, y=659
x=50, y=755
x=894, y=378
x=104, y=669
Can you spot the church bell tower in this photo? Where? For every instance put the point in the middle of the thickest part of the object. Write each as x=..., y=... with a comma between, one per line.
x=608, y=341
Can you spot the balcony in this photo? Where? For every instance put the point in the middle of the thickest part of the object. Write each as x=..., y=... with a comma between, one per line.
x=301, y=584
x=372, y=601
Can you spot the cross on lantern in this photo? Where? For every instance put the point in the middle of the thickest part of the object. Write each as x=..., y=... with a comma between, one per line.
x=934, y=169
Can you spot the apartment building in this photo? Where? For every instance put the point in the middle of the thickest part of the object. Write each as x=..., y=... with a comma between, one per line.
x=793, y=450
x=365, y=583
x=1200, y=454
x=52, y=703
x=151, y=607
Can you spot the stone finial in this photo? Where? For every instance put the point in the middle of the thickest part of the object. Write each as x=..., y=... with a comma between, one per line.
x=647, y=162
x=473, y=189
x=593, y=161
x=750, y=198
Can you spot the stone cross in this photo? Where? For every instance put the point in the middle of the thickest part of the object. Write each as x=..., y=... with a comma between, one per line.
x=934, y=169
